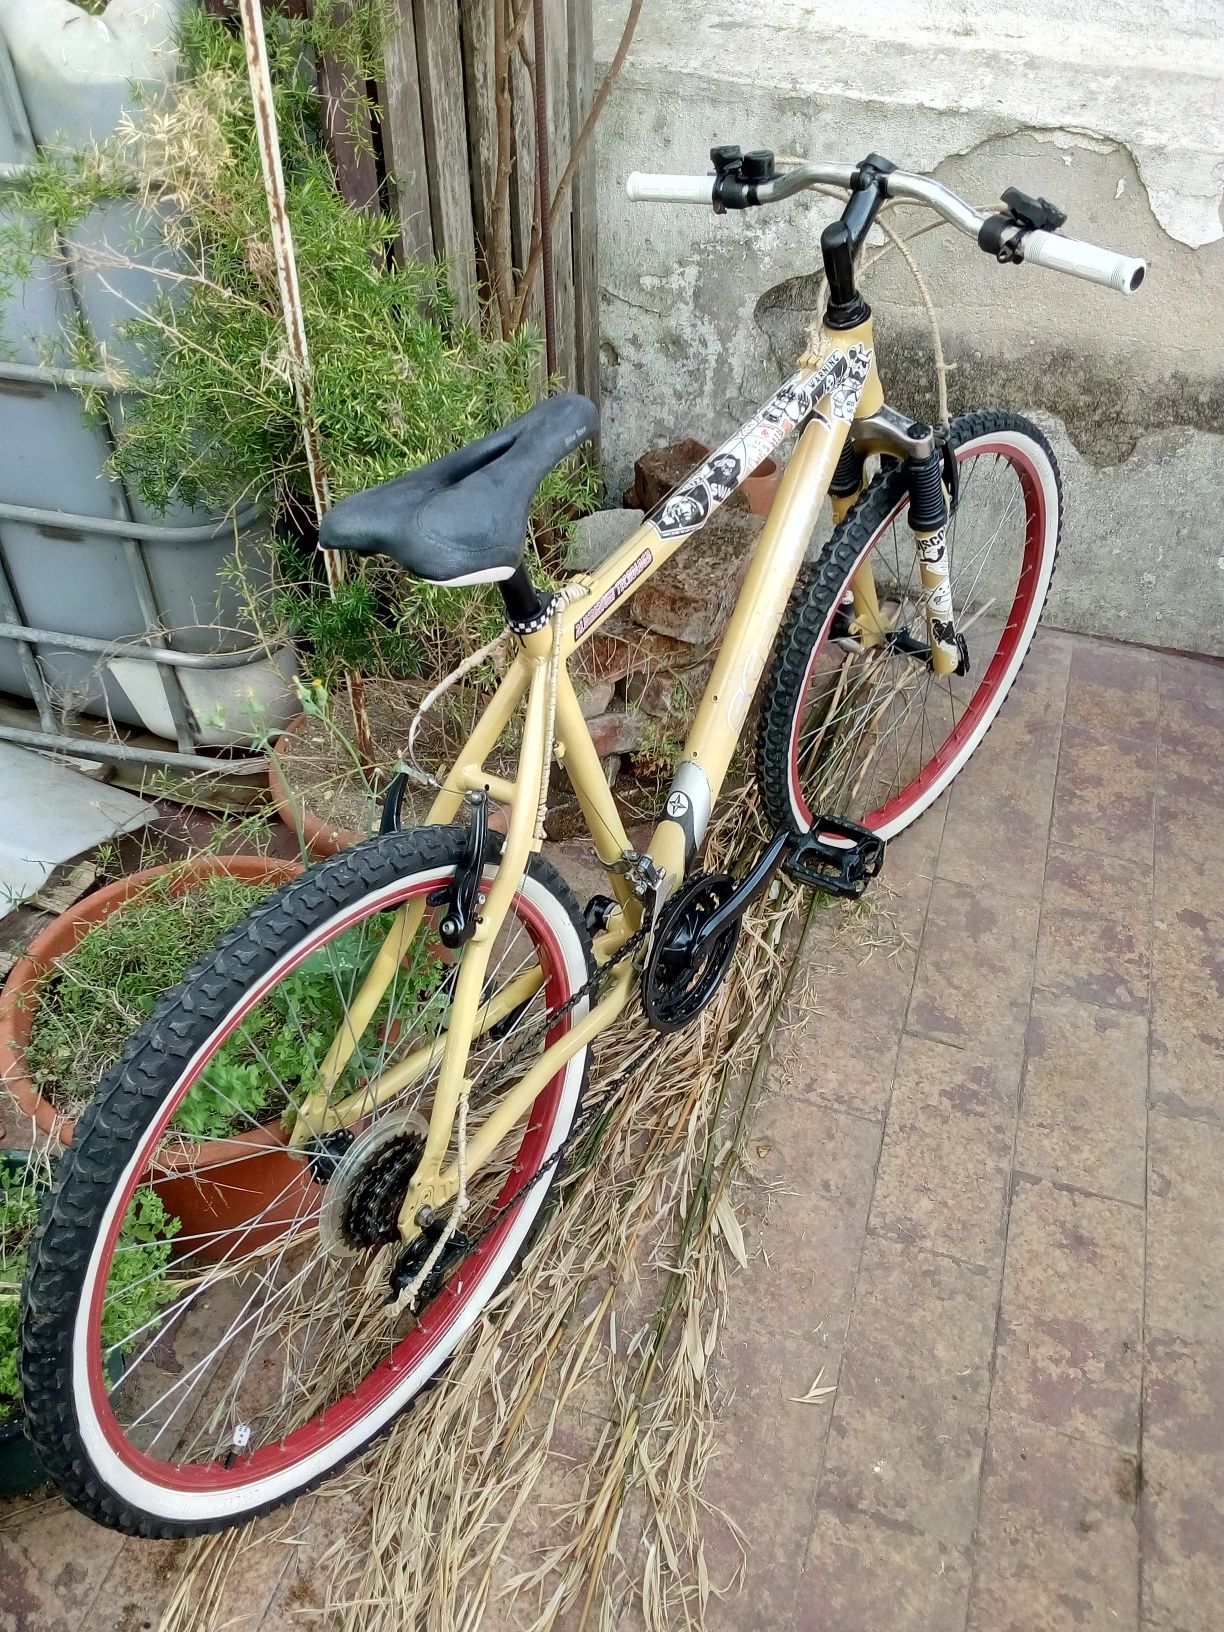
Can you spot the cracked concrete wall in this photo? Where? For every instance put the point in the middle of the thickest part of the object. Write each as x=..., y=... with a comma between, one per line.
x=1113, y=108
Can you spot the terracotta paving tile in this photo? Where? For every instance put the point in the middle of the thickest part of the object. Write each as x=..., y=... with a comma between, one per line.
x=864, y=1573
x=1182, y=1506
x=1192, y=729
x=1056, y=1547
x=1114, y=688
x=53, y=1560
x=909, y=1420
x=1083, y=1109
x=1183, y=1520
x=1096, y=929
x=321, y=1538
x=139, y=1585
x=998, y=818
x=944, y=1168
x=1070, y=1334
x=849, y=1018
x=974, y=975
x=1104, y=794
x=805, y=1216
x=763, y=1481
x=1189, y=839
x=1183, y=1396
x=1185, y=1264
x=998, y=824
x=1188, y=1004
x=911, y=856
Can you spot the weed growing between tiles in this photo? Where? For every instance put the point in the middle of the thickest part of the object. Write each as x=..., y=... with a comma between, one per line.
x=604, y=1340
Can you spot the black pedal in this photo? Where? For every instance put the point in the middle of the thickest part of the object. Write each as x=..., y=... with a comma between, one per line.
x=836, y=856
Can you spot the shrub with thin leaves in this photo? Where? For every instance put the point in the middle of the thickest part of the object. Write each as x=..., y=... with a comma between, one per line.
x=397, y=377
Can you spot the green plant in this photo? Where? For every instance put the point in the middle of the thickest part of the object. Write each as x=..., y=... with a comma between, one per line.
x=137, y=1286
x=396, y=377
x=100, y=992
x=19, y=1202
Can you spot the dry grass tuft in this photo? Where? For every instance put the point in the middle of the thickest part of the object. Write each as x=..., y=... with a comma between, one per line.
x=554, y=1476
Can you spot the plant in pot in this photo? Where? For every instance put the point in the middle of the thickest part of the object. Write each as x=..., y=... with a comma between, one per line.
x=398, y=375
x=92, y=977
x=137, y=1289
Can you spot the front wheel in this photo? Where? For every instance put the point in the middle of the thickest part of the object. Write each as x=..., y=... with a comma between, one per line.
x=255, y=1346
x=869, y=732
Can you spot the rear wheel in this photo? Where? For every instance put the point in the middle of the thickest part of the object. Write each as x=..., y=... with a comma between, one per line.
x=259, y=1350
x=870, y=733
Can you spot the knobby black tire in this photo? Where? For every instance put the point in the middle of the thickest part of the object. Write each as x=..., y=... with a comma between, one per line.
x=821, y=590
x=125, y=1105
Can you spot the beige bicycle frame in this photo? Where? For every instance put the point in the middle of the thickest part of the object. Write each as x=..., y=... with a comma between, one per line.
x=702, y=768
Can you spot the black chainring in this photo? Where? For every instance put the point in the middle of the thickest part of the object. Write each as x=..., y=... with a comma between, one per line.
x=676, y=986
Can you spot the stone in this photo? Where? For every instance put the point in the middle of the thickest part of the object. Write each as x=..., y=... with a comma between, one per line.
x=623, y=647
x=597, y=536
x=595, y=697
x=690, y=597
x=619, y=731
x=664, y=694
x=657, y=472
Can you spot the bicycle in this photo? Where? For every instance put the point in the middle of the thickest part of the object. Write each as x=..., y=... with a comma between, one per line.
x=421, y=1007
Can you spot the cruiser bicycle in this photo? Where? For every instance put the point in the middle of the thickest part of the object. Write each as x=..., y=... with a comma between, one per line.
x=419, y=1010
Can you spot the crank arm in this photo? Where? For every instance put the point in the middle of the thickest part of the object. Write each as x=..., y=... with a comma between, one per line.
x=747, y=891
x=813, y=859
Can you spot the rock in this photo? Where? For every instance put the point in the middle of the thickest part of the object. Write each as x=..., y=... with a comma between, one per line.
x=623, y=647
x=657, y=472
x=619, y=731
x=596, y=536
x=595, y=697
x=664, y=694
x=690, y=597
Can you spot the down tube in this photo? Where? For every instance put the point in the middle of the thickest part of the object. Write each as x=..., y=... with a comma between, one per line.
x=747, y=644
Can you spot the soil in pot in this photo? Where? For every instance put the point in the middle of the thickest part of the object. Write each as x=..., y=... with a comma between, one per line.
x=24, y=1178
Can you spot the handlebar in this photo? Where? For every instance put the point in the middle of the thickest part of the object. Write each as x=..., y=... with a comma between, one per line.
x=1010, y=243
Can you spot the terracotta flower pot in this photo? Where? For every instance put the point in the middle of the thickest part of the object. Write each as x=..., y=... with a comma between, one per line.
x=203, y=1203
x=760, y=486
x=320, y=837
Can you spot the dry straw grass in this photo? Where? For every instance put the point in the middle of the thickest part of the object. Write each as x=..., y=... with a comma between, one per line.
x=554, y=1476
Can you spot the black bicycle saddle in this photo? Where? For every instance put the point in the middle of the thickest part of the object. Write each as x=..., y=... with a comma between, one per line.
x=462, y=519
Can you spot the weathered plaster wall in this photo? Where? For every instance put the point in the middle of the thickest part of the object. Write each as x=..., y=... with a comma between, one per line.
x=1115, y=110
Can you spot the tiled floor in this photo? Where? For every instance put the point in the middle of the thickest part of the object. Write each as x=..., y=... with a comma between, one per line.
x=1017, y=1125
x=986, y=1203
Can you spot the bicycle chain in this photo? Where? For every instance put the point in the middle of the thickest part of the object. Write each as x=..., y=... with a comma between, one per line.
x=587, y=1113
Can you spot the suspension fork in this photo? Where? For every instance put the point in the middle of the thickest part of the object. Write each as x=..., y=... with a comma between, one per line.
x=894, y=435
x=928, y=519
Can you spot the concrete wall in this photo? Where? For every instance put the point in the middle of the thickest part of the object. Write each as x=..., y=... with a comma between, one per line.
x=1112, y=108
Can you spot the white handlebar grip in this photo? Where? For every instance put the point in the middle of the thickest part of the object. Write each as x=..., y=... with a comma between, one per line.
x=1121, y=272
x=644, y=188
